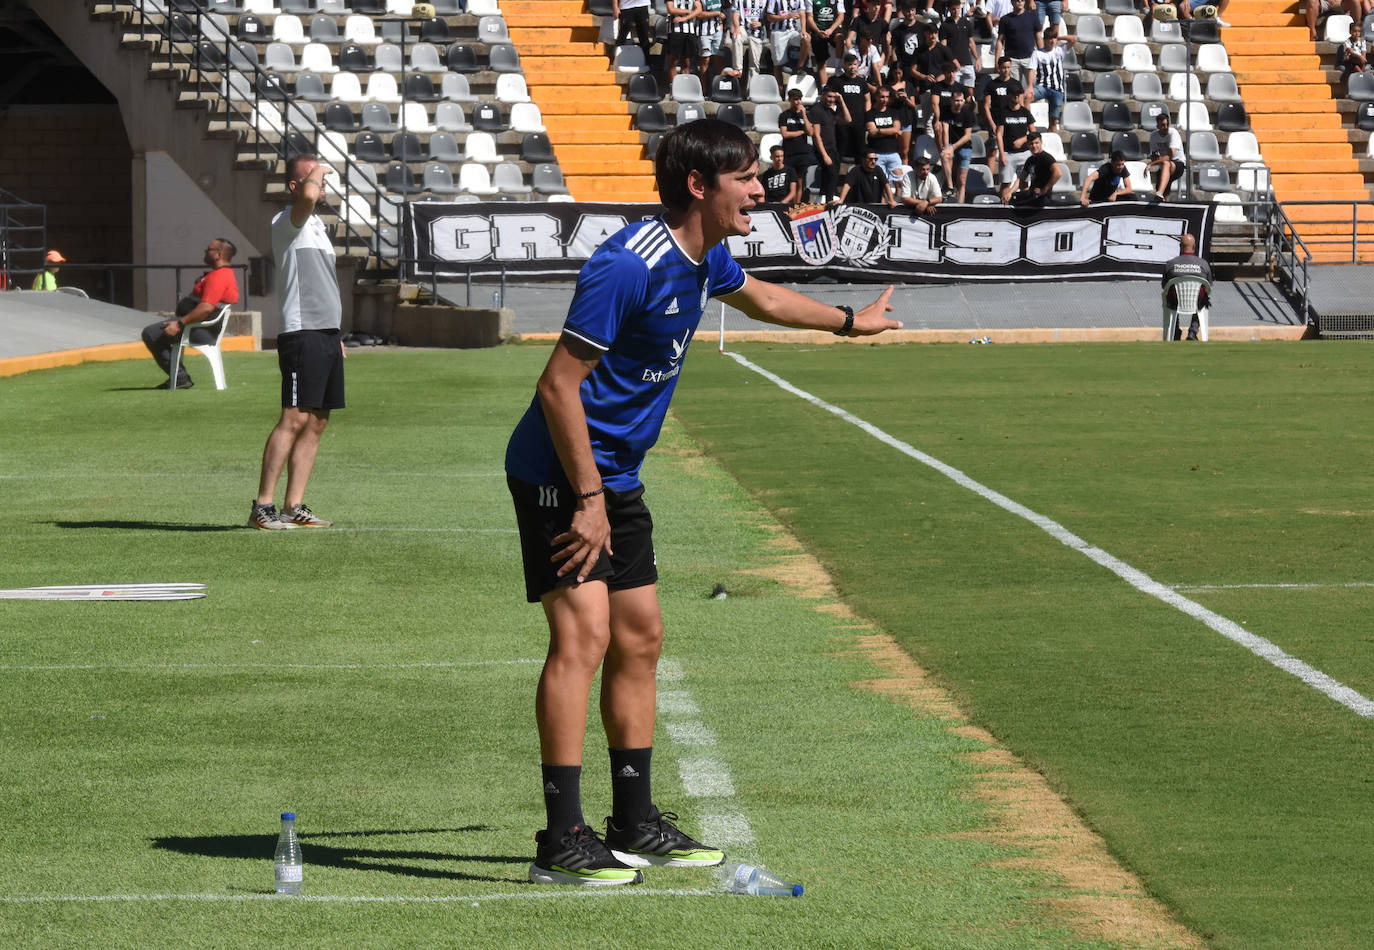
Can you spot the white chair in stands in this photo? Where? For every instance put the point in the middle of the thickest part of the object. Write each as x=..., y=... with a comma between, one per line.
x=218, y=323
x=1186, y=291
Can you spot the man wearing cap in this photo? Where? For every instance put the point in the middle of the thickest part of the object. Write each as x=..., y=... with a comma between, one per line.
x=47, y=279
x=217, y=286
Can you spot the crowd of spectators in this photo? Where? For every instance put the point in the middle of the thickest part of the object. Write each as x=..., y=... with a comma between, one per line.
x=899, y=88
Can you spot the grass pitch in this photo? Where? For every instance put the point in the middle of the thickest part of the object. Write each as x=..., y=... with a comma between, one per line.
x=377, y=678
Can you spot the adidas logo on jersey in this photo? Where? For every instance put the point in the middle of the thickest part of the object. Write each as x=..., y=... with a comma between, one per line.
x=672, y=308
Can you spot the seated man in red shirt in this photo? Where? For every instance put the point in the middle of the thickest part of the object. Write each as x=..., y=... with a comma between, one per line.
x=215, y=287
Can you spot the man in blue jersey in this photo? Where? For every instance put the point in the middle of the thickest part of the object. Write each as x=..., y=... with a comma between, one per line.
x=573, y=470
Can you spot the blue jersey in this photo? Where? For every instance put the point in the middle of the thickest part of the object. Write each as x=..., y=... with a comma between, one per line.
x=639, y=299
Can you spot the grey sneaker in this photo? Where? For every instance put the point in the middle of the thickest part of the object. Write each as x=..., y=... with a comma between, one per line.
x=300, y=516
x=266, y=518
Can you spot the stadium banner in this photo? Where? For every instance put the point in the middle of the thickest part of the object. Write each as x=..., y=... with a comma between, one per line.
x=849, y=243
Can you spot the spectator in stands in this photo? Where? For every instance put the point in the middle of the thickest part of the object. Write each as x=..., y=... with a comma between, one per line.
x=780, y=183
x=942, y=96
x=215, y=287
x=993, y=11
x=1047, y=72
x=1014, y=142
x=1036, y=178
x=309, y=350
x=827, y=116
x=869, y=20
x=1000, y=94
x=748, y=31
x=787, y=23
x=825, y=24
x=1318, y=9
x=904, y=40
x=1109, y=182
x=47, y=277
x=956, y=142
x=1354, y=51
x=680, y=47
x=920, y=189
x=797, y=134
x=1016, y=38
x=634, y=15
x=853, y=90
x=1166, y=157
x=711, y=15
x=885, y=132
x=956, y=32
x=1188, y=264
x=1049, y=12
x=866, y=183
x=870, y=59
x=931, y=62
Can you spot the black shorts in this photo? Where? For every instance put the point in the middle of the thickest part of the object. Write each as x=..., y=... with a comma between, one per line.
x=686, y=45
x=312, y=373
x=543, y=512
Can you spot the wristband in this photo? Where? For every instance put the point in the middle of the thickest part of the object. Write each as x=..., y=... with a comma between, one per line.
x=582, y=496
x=848, y=320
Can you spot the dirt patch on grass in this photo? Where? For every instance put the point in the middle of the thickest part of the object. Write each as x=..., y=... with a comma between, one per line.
x=1094, y=896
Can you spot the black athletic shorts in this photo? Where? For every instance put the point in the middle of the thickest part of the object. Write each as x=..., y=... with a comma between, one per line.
x=312, y=372
x=543, y=512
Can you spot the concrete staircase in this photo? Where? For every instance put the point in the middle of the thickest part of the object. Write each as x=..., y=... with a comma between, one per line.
x=588, y=121
x=1297, y=121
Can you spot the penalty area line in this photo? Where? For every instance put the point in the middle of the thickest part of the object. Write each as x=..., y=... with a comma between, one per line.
x=1259, y=646
x=474, y=899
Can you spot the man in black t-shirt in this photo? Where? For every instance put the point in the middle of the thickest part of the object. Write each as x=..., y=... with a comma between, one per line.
x=1014, y=143
x=1108, y=183
x=1000, y=94
x=866, y=183
x=854, y=91
x=826, y=118
x=1038, y=175
x=796, y=131
x=885, y=132
x=780, y=184
x=956, y=32
x=931, y=61
x=905, y=40
x=956, y=140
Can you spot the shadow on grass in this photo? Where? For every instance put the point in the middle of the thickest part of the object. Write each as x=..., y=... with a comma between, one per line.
x=151, y=525
x=319, y=854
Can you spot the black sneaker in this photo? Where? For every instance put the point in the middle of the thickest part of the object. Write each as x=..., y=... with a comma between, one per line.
x=656, y=840
x=579, y=857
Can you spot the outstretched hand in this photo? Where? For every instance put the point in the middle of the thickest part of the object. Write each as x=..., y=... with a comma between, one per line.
x=873, y=318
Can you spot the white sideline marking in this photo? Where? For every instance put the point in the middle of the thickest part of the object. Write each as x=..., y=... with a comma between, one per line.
x=706, y=777
x=179, y=667
x=1141, y=581
x=689, y=733
x=1193, y=588
x=473, y=899
x=677, y=702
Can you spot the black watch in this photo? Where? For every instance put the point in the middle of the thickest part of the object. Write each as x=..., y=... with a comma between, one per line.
x=848, y=320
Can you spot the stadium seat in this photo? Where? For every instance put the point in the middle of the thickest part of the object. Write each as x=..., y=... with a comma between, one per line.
x=435, y=30
x=480, y=147
x=478, y=8
x=1360, y=86
x=547, y=179
x=1252, y=180
x=923, y=146
x=1136, y=58
x=1364, y=117
x=475, y=179
x=386, y=58
x=272, y=86
x=651, y=145
x=325, y=29
x=415, y=118
x=1078, y=117
x=359, y=29
x=650, y=118
x=354, y=58
x=979, y=183
x=1150, y=113
x=420, y=88
x=376, y=117
x=492, y=29
x=424, y=58
x=1097, y=58
x=1128, y=29
x=1230, y=210
x=1084, y=147
x=400, y=7
x=280, y=57
x=1166, y=31
x=487, y=117
x=1338, y=28
x=1231, y=117
x=1128, y=144
x=504, y=58
x=453, y=87
x=1212, y=58
x=690, y=112
x=600, y=7
x=1081, y=8
x=406, y=147
x=807, y=84
x=1108, y=87
x=316, y=58
x=525, y=118
x=1090, y=29
x=443, y=147
x=449, y=117
x=368, y=147
x=1193, y=117
x=1173, y=59
x=1051, y=141
x=333, y=149
x=733, y=113
x=536, y=148
x=1139, y=178
x=511, y=88
x=1064, y=192
x=726, y=89
x=1121, y=7
x=266, y=118
x=763, y=88
x=396, y=31
x=642, y=87
x=1221, y=87
x=1243, y=147
x=766, y=117
x=310, y=88
x=687, y=88
x=437, y=178
x=767, y=141
x=1116, y=117
x=381, y=87
x=251, y=29
x=1203, y=147
x=1146, y=87
x=1213, y=178
x=288, y=28
x=338, y=117
x=462, y=59
x=236, y=88
x=1202, y=31
x=1183, y=87
x=1073, y=87
x=509, y=180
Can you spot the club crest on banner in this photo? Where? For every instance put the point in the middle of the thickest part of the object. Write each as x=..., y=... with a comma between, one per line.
x=813, y=231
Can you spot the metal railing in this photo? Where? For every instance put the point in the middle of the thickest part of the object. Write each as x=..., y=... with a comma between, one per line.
x=23, y=237
x=1287, y=257
x=110, y=269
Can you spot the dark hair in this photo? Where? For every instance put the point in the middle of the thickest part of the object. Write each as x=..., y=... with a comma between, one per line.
x=228, y=246
x=707, y=146
x=1004, y=59
x=294, y=163
x=1117, y=156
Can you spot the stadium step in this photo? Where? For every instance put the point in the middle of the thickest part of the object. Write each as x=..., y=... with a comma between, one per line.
x=569, y=76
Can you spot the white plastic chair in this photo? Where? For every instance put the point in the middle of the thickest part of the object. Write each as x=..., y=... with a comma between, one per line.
x=287, y=28
x=1338, y=28
x=1186, y=290
x=1212, y=58
x=267, y=118
x=400, y=7
x=763, y=88
x=1140, y=179
x=1090, y=29
x=1136, y=58
x=360, y=29
x=1243, y=147
x=416, y=119
x=1184, y=86
x=455, y=88
x=686, y=88
x=525, y=118
x=510, y=87
x=480, y=147
x=475, y=179
x=1193, y=117
x=1128, y=29
x=1054, y=145
x=1084, y=8
x=219, y=323
x=1252, y=178
x=766, y=142
x=1040, y=113
x=381, y=87
x=317, y=58
x=1077, y=117
x=333, y=149
x=424, y=58
x=346, y=88
x=807, y=84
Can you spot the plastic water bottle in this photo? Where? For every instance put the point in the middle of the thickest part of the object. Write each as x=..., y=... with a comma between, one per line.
x=286, y=862
x=496, y=300
x=759, y=882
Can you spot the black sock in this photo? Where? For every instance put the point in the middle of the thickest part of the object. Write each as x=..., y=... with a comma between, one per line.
x=631, y=802
x=562, y=796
